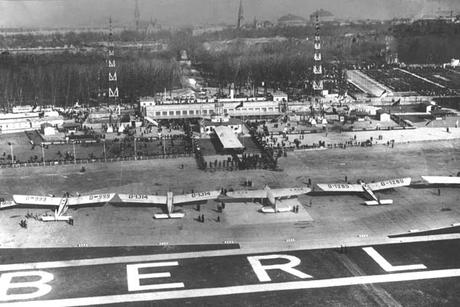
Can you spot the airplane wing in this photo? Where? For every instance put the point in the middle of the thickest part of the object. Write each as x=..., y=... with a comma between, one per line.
x=246, y=194
x=142, y=199
x=90, y=199
x=389, y=184
x=37, y=200
x=441, y=179
x=340, y=187
x=198, y=196
x=7, y=204
x=288, y=192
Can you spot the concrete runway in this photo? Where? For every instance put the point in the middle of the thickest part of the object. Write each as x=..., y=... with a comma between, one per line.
x=381, y=275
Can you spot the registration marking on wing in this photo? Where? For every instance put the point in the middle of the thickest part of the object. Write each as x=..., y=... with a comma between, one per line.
x=340, y=187
x=142, y=198
x=391, y=183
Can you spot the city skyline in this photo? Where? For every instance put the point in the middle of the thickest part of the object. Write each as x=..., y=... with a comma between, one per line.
x=81, y=13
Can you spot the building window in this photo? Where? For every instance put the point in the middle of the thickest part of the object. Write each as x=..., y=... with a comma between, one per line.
x=165, y=113
x=264, y=109
x=205, y=111
x=225, y=110
x=157, y=113
x=171, y=112
x=270, y=109
x=250, y=109
x=257, y=109
x=177, y=112
x=231, y=110
x=191, y=112
x=184, y=112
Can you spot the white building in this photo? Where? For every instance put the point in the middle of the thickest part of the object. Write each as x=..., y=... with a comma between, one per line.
x=208, y=125
x=238, y=108
x=47, y=129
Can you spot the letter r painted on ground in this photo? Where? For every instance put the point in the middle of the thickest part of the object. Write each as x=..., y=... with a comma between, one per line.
x=261, y=270
x=40, y=287
x=134, y=277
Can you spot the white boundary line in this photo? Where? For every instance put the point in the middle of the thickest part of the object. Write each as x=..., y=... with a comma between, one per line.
x=199, y=254
x=243, y=289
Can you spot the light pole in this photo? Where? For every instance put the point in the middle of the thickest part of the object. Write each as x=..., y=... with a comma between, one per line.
x=74, y=155
x=43, y=153
x=135, y=153
x=105, y=155
x=11, y=151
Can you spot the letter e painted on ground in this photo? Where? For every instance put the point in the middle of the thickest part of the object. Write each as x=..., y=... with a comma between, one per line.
x=134, y=277
x=39, y=286
x=261, y=270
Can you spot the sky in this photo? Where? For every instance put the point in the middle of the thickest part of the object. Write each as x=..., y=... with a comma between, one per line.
x=80, y=13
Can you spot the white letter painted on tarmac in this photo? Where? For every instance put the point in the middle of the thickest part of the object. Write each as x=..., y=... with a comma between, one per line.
x=41, y=286
x=387, y=266
x=261, y=270
x=134, y=277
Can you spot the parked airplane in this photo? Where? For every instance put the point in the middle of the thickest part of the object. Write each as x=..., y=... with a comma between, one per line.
x=61, y=204
x=169, y=200
x=368, y=189
x=272, y=195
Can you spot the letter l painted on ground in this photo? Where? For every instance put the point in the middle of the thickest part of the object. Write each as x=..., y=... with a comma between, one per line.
x=384, y=264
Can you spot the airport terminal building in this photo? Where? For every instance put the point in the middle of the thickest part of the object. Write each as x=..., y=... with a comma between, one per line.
x=202, y=109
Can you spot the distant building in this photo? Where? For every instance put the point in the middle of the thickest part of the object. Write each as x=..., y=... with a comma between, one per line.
x=280, y=96
x=202, y=29
x=383, y=116
x=22, y=109
x=47, y=129
x=153, y=27
x=291, y=20
x=240, y=17
x=208, y=125
x=324, y=16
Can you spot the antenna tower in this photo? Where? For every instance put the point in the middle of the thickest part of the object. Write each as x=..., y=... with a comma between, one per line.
x=317, y=67
x=112, y=67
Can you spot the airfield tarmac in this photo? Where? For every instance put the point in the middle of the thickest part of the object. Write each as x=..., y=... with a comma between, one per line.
x=324, y=221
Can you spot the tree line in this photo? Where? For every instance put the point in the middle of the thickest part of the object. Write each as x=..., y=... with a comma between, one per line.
x=63, y=79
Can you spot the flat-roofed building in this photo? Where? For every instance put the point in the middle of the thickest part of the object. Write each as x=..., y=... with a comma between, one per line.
x=208, y=126
x=234, y=108
x=367, y=84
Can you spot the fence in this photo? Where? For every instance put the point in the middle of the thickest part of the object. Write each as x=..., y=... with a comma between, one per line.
x=99, y=160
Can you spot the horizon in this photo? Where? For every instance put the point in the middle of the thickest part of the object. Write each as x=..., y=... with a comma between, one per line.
x=95, y=13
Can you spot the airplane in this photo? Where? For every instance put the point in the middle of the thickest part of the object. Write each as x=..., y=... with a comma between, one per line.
x=169, y=200
x=61, y=204
x=272, y=195
x=368, y=189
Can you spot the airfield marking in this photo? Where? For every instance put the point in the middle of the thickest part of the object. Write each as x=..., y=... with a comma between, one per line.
x=244, y=289
x=188, y=255
x=384, y=264
x=113, y=260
